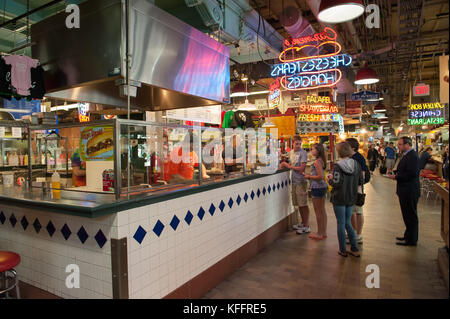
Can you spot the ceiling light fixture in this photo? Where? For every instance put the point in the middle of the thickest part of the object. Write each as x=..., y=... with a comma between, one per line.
x=366, y=75
x=337, y=11
x=237, y=94
x=246, y=106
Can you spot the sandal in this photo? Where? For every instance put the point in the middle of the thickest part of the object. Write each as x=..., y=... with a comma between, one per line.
x=355, y=253
x=314, y=236
x=342, y=254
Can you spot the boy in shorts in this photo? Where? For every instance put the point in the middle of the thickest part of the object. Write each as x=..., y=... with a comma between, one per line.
x=297, y=163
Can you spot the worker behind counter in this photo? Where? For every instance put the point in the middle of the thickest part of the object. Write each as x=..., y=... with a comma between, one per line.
x=78, y=169
x=233, y=163
x=178, y=167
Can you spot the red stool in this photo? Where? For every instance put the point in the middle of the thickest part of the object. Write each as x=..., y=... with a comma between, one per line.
x=9, y=260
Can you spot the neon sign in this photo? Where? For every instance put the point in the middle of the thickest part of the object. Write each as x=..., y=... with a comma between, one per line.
x=309, y=72
x=327, y=34
x=318, y=109
x=319, y=117
x=425, y=106
x=318, y=99
x=428, y=113
x=427, y=121
x=310, y=80
x=308, y=65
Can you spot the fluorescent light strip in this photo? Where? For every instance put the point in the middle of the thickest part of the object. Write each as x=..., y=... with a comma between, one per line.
x=64, y=107
x=237, y=94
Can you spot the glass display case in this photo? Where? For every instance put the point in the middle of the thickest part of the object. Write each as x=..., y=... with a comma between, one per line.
x=119, y=159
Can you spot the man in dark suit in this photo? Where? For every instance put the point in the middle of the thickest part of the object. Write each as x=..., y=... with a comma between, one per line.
x=408, y=191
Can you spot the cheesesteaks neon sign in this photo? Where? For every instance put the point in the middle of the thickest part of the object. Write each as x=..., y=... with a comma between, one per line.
x=310, y=72
x=314, y=64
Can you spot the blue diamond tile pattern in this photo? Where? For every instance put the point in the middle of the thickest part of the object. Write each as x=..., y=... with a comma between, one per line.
x=201, y=213
x=212, y=209
x=82, y=235
x=264, y=191
x=188, y=217
x=273, y=187
x=24, y=223
x=269, y=189
x=221, y=206
x=50, y=228
x=139, y=234
x=2, y=218
x=246, y=197
x=13, y=220
x=100, y=238
x=278, y=185
x=282, y=184
x=238, y=200
x=230, y=203
x=37, y=226
x=65, y=231
x=175, y=222
x=252, y=195
x=158, y=228
x=258, y=193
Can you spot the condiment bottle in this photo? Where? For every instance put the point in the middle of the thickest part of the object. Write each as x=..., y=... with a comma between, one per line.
x=56, y=186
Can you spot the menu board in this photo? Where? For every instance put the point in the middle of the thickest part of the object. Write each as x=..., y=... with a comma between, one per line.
x=284, y=124
x=353, y=107
x=16, y=132
x=96, y=143
x=206, y=114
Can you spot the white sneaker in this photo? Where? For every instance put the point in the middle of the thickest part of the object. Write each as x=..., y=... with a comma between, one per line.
x=304, y=230
x=359, y=239
x=298, y=226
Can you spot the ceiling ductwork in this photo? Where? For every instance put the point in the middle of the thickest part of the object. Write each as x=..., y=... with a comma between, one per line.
x=233, y=22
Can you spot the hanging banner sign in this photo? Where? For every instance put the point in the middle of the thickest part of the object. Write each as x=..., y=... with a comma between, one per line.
x=366, y=96
x=353, y=107
x=205, y=114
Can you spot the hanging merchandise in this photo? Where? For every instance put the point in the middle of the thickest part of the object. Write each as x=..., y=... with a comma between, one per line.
x=21, y=72
x=227, y=119
x=37, y=90
x=5, y=80
x=242, y=119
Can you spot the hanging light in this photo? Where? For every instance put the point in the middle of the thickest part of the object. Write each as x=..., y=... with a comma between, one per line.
x=268, y=123
x=337, y=11
x=379, y=108
x=246, y=106
x=366, y=75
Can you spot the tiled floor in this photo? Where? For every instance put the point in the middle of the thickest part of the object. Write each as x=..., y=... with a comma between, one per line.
x=298, y=267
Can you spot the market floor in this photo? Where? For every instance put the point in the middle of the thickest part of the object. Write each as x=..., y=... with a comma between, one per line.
x=295, y=266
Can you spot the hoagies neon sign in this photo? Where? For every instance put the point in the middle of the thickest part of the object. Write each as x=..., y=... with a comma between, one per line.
x=309, y=80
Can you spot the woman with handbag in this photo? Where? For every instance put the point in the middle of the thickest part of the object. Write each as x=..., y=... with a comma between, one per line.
x=318, y=188
x=345, y=178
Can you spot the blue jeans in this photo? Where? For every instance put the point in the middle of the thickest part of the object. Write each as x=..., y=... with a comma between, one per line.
x=343, y=217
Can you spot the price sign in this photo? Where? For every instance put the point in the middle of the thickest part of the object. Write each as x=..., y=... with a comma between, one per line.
x=16, y=132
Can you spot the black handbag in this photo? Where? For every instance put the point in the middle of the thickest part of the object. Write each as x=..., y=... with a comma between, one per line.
x=360, y=198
